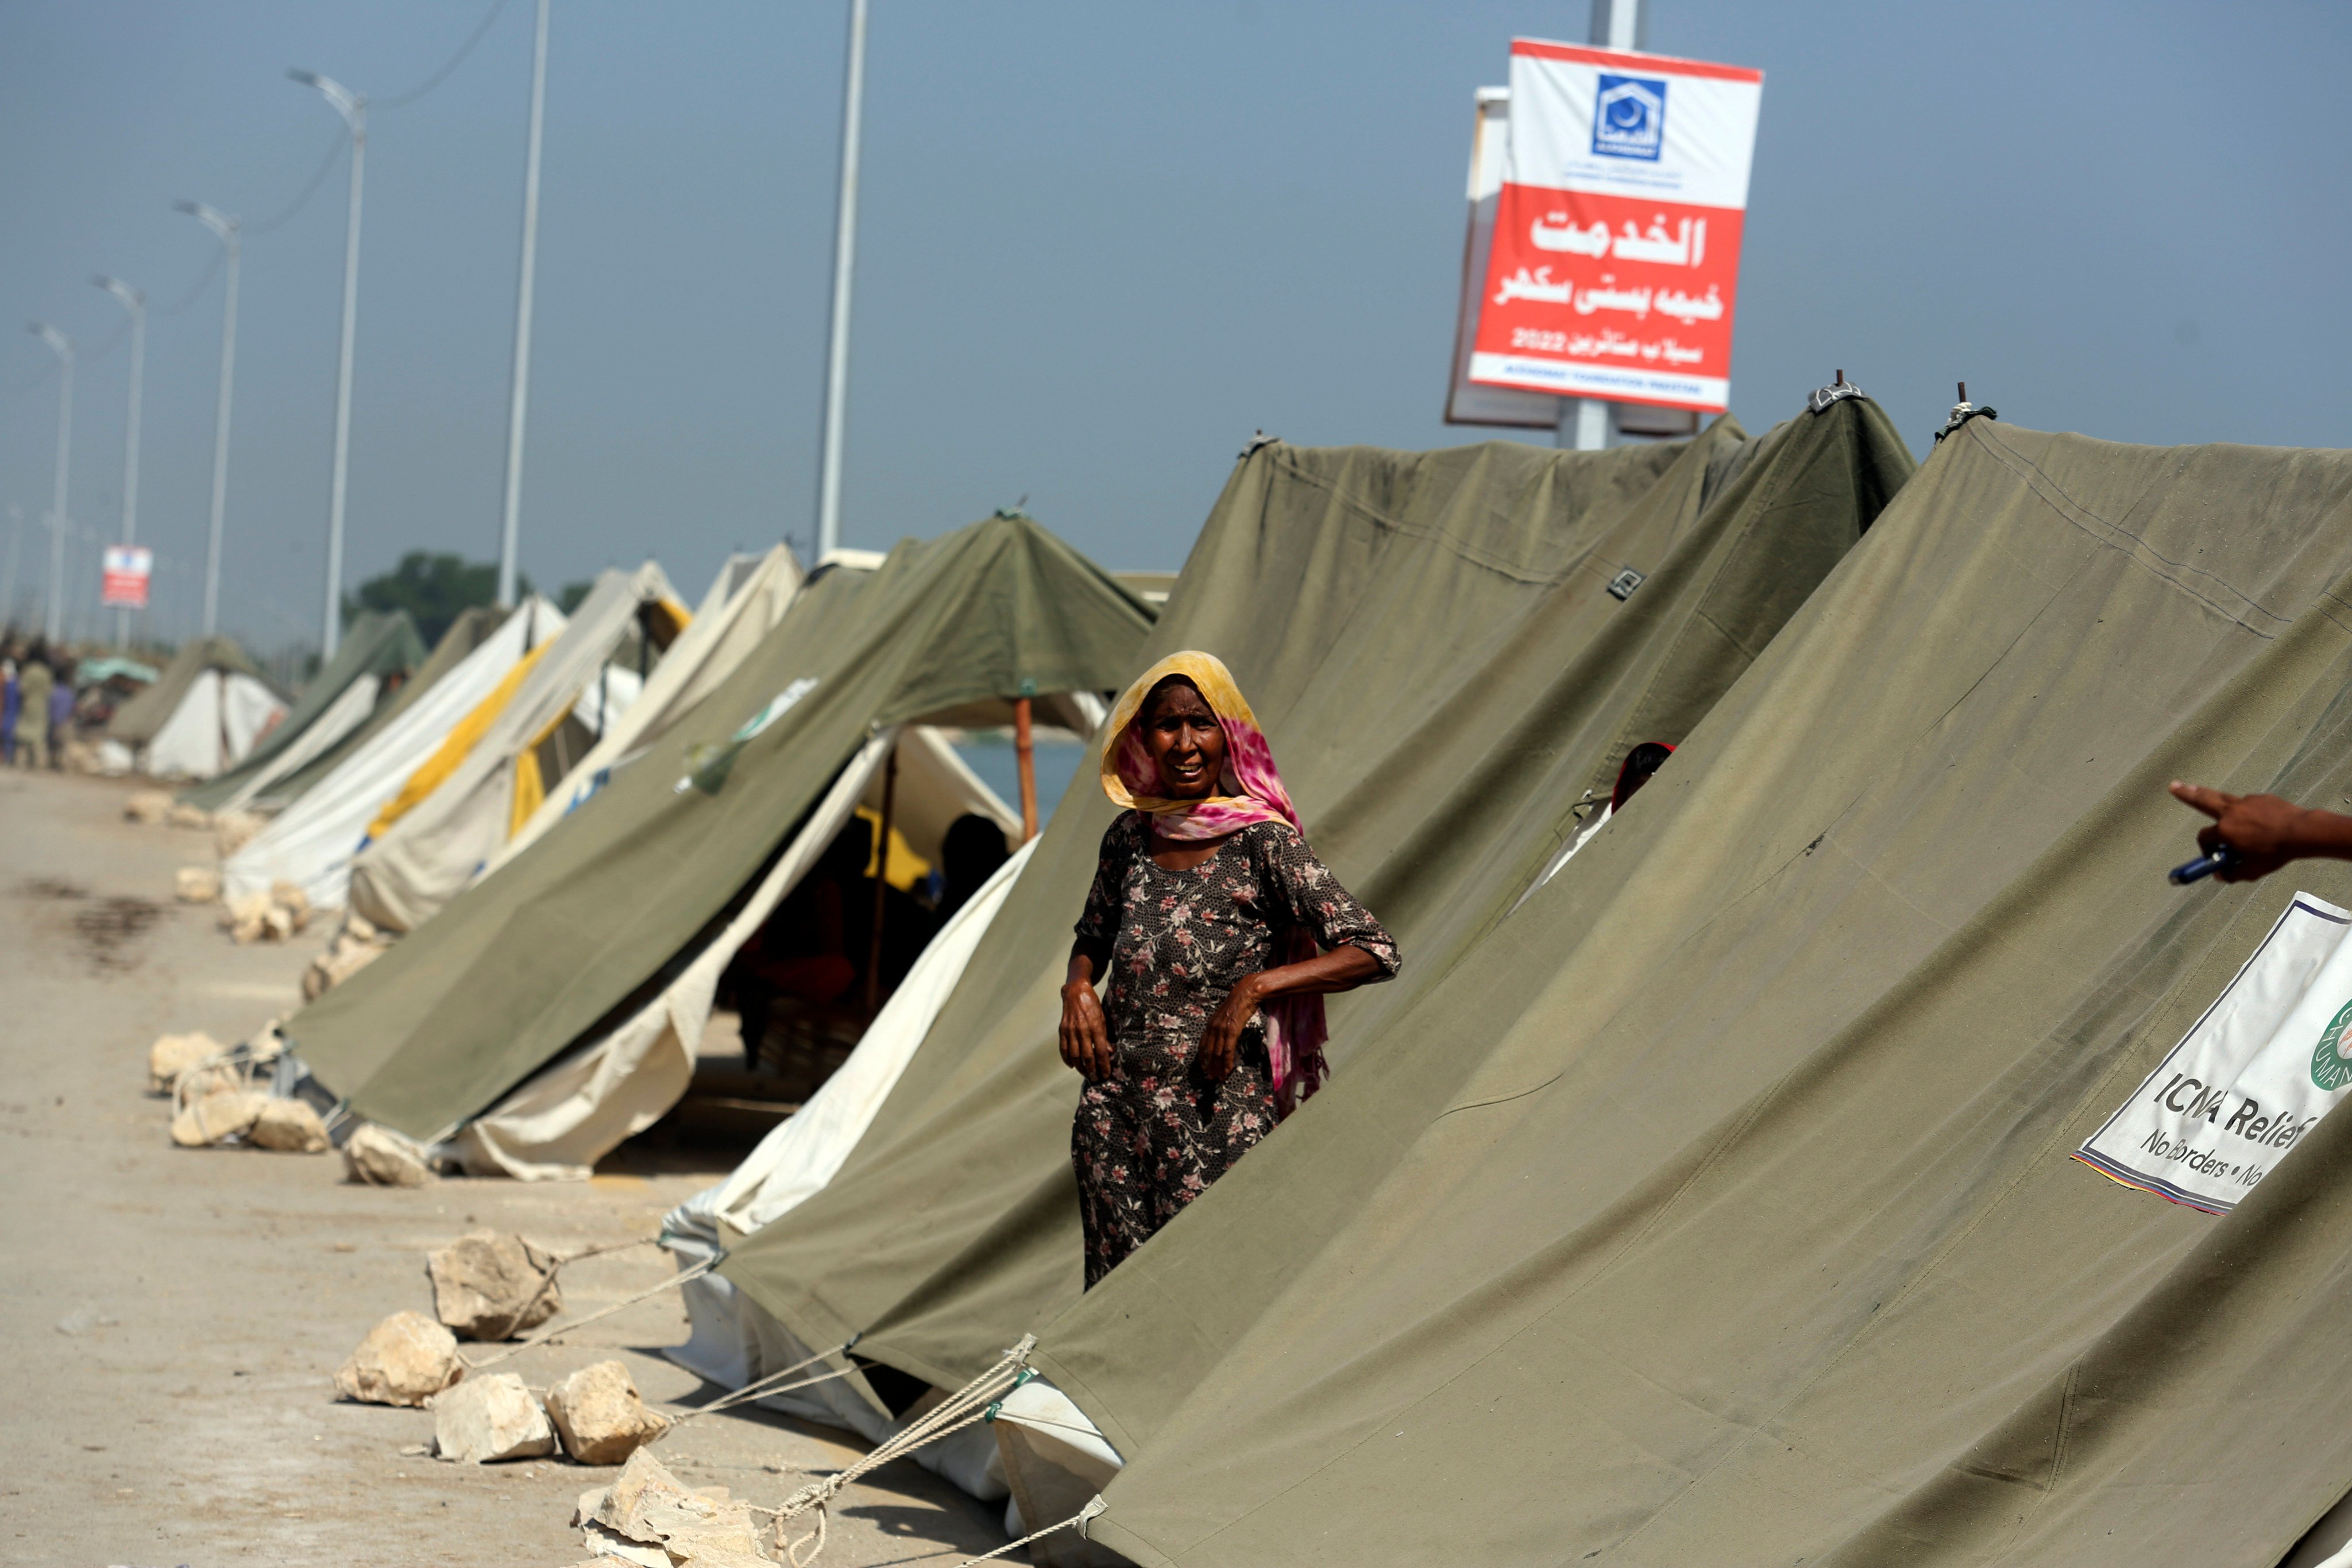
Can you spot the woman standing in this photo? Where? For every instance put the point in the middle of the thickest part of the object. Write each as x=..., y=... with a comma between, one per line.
x=1216, y=933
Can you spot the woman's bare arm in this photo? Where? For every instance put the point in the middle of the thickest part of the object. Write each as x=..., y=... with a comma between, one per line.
x=1342, y=969
x=1085, y=1035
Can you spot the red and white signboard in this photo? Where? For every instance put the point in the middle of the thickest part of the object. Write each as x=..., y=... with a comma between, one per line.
x=1615, y=267
x=123, y=583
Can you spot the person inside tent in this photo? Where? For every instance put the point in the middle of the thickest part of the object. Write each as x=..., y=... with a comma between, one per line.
x=969, y=856
x=1217, y=934
x=802, y=951
x=2263, y=832
x=1640, y=764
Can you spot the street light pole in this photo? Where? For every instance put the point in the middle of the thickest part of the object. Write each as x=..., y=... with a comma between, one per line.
x=136, y=303
x=225, y=228
x=1586, y=424
x=53, y=618
x=510, y=528
x=844, y=258
x=353, y=107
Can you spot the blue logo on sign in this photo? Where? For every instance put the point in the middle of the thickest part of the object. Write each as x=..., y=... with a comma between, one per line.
x=1628, y=117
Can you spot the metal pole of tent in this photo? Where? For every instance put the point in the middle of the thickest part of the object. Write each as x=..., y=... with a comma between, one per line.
x=1025, y=752
x=1587, y=424
x=881, y=881
x=511, y=527
x=845, y=258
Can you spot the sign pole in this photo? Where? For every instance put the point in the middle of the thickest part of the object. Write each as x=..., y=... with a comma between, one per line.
x=1587, y=424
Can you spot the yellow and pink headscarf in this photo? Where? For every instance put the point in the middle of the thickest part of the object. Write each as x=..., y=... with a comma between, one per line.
x=1248, y=791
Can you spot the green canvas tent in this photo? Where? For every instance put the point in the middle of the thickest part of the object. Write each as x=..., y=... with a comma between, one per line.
x=1446, y=676
x=203, y=714
x=586, y=935
x=1724, y=1207
x=468, y=632
x=375, y=650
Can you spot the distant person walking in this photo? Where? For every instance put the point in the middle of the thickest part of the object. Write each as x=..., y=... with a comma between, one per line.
x=1216, y=933
x=12, y=704
x=35, y=683
x=61, y=713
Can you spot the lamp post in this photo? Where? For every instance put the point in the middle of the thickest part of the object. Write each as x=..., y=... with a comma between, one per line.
x=136, y=303
x=225, y=228
x=353, y=107
x=511, y=526
x=844, y=258
x=52, y=619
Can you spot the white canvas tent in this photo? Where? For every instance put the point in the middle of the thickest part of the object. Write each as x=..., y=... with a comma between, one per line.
x=749, y=596
x=418, y=863
x=223, y=714
x=312, y=842
x=201, y=715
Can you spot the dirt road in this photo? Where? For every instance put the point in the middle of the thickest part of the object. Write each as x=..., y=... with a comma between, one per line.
x=175, y=1318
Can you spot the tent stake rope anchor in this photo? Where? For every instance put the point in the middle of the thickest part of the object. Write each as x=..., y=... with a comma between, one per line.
x=974, y=1402
x=760, y=1388
x=545, y=1336
x=1095, y=1505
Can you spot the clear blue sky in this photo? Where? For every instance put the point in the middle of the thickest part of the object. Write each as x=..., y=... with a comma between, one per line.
x=1103, y=242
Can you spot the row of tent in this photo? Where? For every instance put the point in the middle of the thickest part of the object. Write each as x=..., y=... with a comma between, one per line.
x=1703, y=1189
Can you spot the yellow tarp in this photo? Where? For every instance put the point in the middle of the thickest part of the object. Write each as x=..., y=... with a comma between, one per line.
x=455, y=748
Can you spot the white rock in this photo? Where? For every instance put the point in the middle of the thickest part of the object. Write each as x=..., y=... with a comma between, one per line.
x=406, y=1360
x=486, y=1419
x=288, y=1126
x=233, y=830
x=216, y=1117
x=379, y=1157
x=267, y=1043
x=244, y=916
x=289, y=897
x=172, y=1055
x=194, y=817
x=487, y=1286
x=599, y=1415
x=277, y=923
x=196, y=884
x=148, y=805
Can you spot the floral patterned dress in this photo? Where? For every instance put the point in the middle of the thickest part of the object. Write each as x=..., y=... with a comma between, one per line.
x=1152, y=1135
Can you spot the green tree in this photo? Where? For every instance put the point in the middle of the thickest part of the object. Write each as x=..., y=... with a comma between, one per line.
x=434, y=589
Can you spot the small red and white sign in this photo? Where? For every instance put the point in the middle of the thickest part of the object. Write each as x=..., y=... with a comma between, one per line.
x=123, y=583
x=1615, y=267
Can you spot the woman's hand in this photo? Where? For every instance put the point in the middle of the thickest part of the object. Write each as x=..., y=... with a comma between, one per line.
x=1221, y=1043
x=1085, y=1037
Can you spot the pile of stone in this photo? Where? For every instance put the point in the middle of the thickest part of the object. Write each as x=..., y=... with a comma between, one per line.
x=489, y=1287
x=219, y=1098
x=274, y=916
x=149, y=807
x=647, y=1516
x=376, y=1156
x=356, y=946
x=233, y=830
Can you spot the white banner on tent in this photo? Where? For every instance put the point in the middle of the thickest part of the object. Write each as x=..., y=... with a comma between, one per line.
x=2270, y=1058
